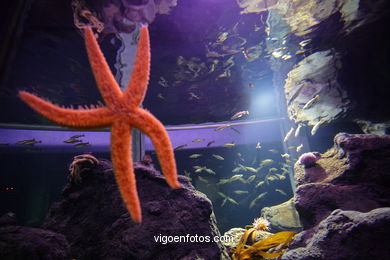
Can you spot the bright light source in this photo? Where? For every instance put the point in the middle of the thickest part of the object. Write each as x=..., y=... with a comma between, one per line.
x=263, y=103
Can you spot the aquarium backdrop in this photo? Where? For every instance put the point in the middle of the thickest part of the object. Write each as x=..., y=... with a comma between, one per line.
x=243, y=87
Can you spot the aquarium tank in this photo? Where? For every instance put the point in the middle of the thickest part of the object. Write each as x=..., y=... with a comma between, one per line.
x=194, y=129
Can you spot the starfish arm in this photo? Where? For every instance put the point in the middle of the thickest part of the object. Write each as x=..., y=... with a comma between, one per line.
x=152, y=127
x=136, y=89
x=85, y=119
x=123, y=167
x=108, y=87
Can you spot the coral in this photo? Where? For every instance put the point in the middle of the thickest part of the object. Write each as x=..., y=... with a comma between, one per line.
x=261, y=224
x=78, y=166
x=309, y=159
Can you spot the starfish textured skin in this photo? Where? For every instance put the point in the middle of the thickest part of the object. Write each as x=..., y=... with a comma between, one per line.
x=121, y=113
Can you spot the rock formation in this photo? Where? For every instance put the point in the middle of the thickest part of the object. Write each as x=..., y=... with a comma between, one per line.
x=91, y=221
x=343, y=201
x=283, y=217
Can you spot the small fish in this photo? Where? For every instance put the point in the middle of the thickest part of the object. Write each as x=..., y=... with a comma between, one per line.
x=81, y=145
x=229, y=145
x=280, y=176
x=203, y=179
x=180, y=147
x=250, y=179
x=218, y=157
x=222, y=195
x=285, y=155
x=311, y=102
x=210, y=171
x=251, y=169
x=239, y=114
x=258, y=146
x=304, y=42
x=29, y=142
x=224, y=202
x=288, y=135
x=315, y=128
x=198, y=140
x=188, y=175
x=231, y=179
x=299, y=148
x=253, y=202
x=237, y=169
x=242, y=167
x=76, y=136
x=260, y=183
x=270, y=178
x=281, y=192
x=266, y=162
x=195, y=155
x=273, y=169
x=221, y=127
x=163, y=82
x=72, y=141
x=273, y=151
x=232, y=201
x=292, y=147
x=297, y=130
x=241, y=192
x=284, y=170
x=210, y=143
x=193, y=96
x=199, y=169
x=251, y=85
x=235, y=130
x=160, y=96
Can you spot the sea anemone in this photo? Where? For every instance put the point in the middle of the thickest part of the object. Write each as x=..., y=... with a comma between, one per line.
x=309, y=159
x=261, y=224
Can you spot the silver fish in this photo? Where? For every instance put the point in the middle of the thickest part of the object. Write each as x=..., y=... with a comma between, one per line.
x=229, y=145
x=198, y=140
x=315, y=128
x=218, y=157
x=239, y=114
x=311, y=102
x=241, y=192
x=285, y=155
x=298, y=130
x=299, y=148
x=281, y=192
x=195, y=155
x=266, y=162
x=203, y=179
x=288, y=135
x=250, y=179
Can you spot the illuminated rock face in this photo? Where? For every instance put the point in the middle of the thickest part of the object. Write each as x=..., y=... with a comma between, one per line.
x=315, y=75
x=303, y=15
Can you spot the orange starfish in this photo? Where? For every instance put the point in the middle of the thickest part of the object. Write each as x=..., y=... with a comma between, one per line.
x=121, y=113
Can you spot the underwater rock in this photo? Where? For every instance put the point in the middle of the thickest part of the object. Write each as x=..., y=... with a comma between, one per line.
x=17, y=242
x=304, y=16
x=116, y=16
x=312, y=92
x=344, y=235
x=283, y=217
x=7, y=219
x=97, y=225
x=353, y=175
